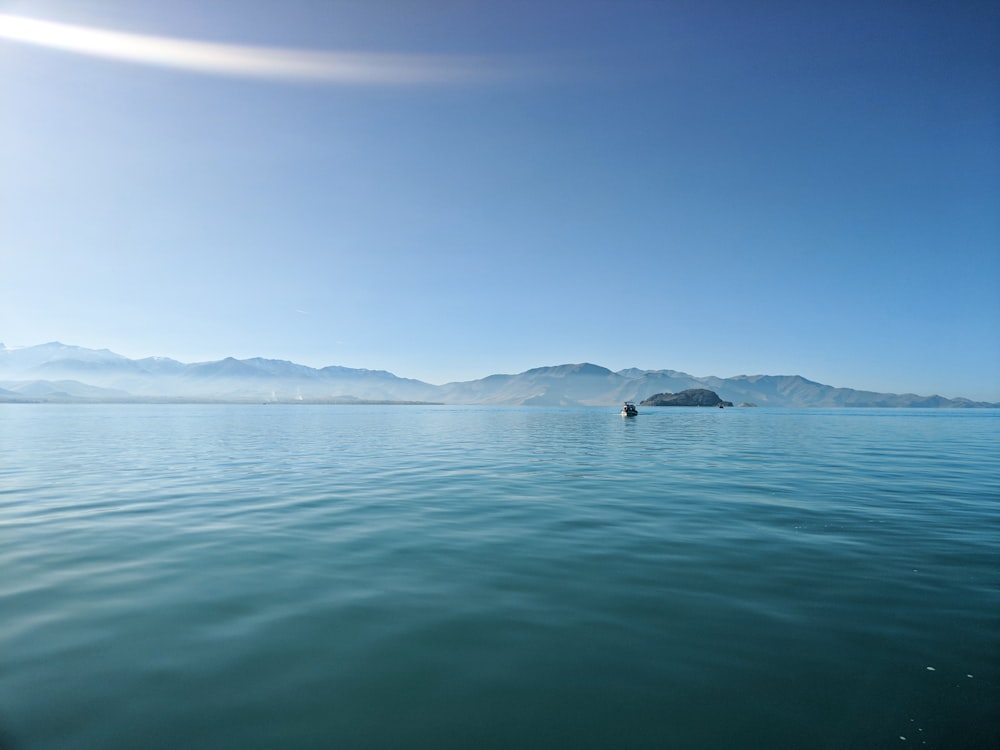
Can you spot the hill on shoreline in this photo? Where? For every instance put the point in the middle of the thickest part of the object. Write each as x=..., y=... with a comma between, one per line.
x=60, y=373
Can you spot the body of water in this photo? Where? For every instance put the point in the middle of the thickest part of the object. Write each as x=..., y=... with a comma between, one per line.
x=219, y=576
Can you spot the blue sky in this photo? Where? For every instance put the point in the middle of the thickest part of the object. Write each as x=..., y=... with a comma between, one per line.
x=721, y=188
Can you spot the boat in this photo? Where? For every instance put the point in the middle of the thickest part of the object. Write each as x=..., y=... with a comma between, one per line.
x=629, y=409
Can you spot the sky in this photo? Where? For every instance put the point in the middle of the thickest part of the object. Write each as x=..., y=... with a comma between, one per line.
x=448, y=189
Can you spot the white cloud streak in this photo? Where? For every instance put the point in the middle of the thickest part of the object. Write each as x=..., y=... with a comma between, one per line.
x=275, y=63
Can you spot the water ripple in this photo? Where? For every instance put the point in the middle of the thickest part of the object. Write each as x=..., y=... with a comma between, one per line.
x=310, y=576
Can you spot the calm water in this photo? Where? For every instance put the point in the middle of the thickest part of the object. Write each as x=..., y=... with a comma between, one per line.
x=441, y=577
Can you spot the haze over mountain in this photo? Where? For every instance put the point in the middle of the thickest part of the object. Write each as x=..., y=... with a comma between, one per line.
x=56, y=372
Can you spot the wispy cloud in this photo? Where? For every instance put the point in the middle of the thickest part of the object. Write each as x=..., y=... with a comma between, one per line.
x=250, y=62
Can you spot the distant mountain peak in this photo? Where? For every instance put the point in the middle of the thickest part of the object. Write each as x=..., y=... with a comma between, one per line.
x=260, y=379
x=583, y=368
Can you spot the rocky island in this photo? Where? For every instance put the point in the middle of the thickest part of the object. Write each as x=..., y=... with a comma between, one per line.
x=690, y=397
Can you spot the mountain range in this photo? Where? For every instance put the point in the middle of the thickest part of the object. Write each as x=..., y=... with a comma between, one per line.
x=56, y=372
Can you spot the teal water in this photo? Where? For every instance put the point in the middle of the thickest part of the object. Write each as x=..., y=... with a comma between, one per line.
x=451, y=577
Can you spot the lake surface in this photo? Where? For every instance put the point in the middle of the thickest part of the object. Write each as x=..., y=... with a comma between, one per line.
x=218, y=576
